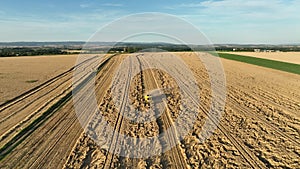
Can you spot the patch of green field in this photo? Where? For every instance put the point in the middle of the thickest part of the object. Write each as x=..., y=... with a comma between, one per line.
x=31, y=81
x=273, y=64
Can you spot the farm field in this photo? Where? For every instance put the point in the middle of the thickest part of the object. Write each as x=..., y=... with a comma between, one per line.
x=19, y=74
x=268, y=63
x=290, y=57
x=260, y=127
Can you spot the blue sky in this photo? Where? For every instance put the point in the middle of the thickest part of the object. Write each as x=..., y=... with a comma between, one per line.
x=222, y=21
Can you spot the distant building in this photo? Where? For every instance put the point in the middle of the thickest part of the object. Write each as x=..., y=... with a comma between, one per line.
x=256, y=50
x=269, y=51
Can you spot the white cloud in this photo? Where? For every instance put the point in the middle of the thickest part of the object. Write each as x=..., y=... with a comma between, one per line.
x=256, y=21
x=72, y=26
x=112, y=5
x=84, y=5
x=88, y=5
x=254, y=9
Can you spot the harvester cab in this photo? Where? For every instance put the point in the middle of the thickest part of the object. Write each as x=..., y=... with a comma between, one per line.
x=147, y=98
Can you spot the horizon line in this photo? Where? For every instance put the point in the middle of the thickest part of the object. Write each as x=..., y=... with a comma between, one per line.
x=82, y=41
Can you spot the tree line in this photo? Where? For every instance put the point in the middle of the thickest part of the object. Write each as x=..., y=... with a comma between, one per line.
x=9, y=52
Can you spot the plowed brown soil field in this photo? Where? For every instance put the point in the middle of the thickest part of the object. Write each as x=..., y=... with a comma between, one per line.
x=260, y=127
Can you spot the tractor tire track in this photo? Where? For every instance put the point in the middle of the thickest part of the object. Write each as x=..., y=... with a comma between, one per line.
x=245, y=152
x=164, y=122
x=117, y=128
x=81, y=141
x=27, y=131
x=11, y=127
